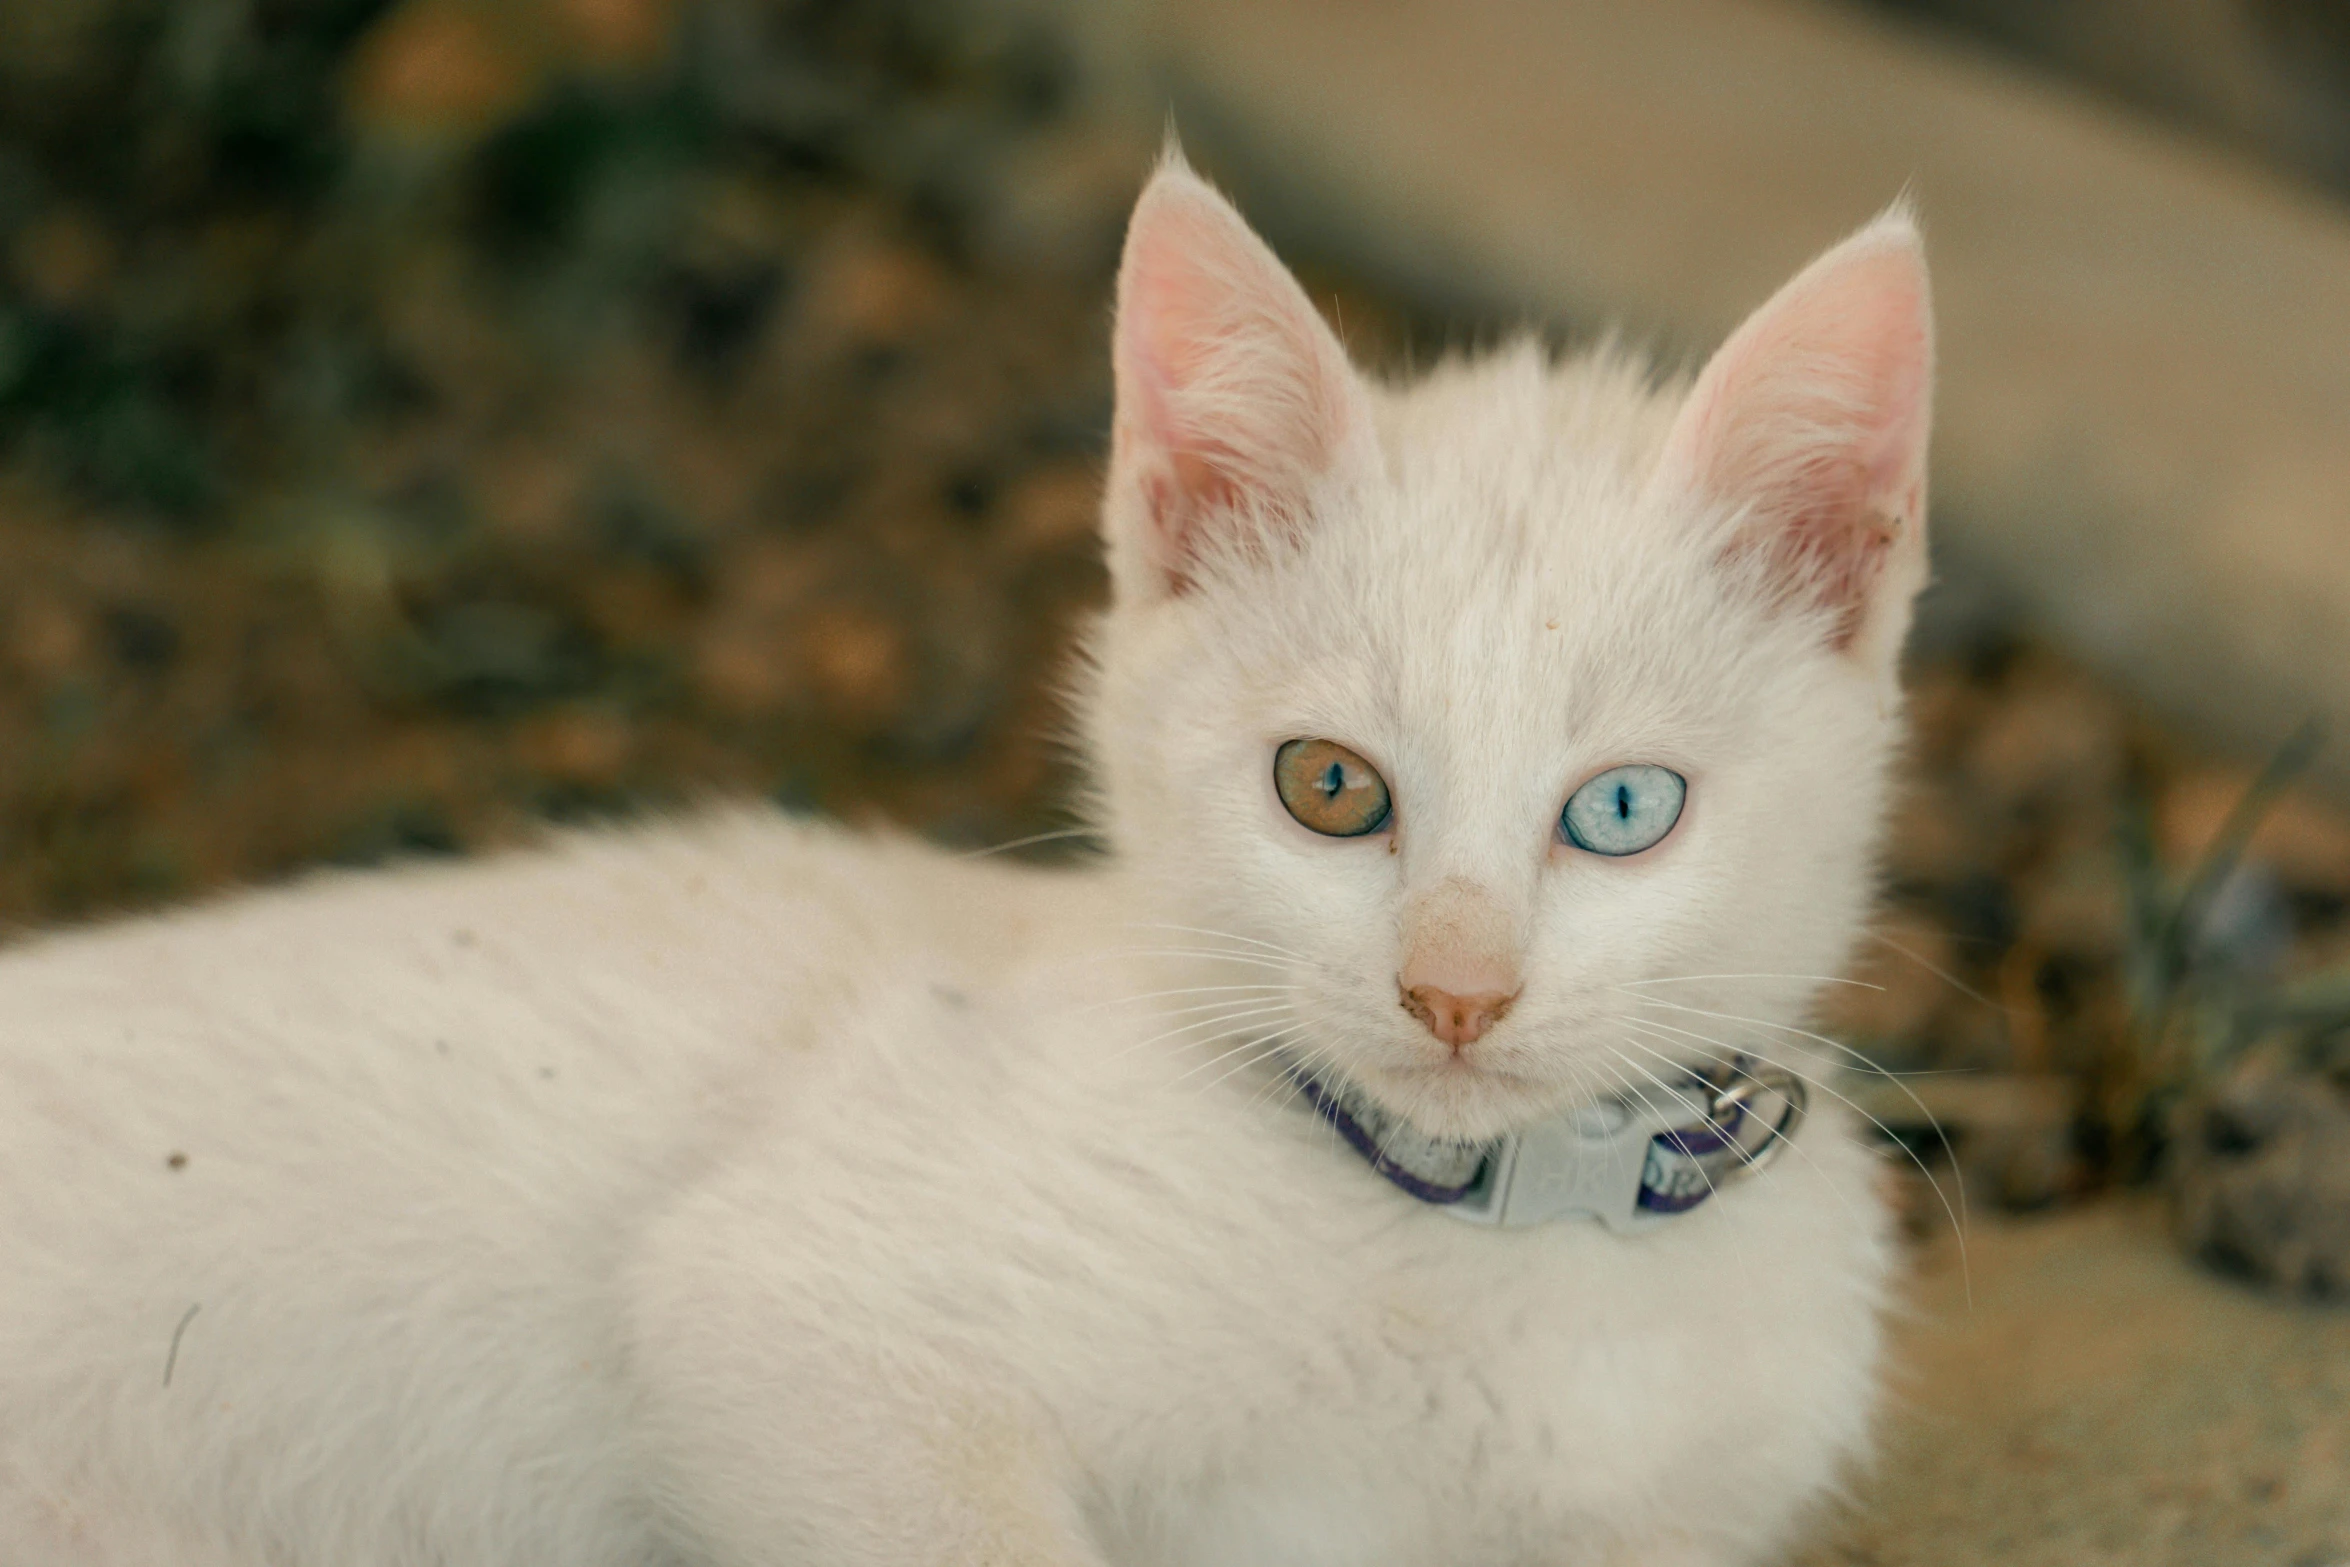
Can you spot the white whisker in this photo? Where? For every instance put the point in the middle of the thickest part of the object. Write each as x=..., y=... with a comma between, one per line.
x=1843, y=1196
x=1954, y=1214
x=1032, y=838
x=1809, y=979
x=1243, y=1012
x=1944, y=975
x=1749, y=1159
x=1190, y=952
x=1256, y=1050
x=1849, y=1053
x=1180, y=990
x=1220, y=935
x=1738, y=1242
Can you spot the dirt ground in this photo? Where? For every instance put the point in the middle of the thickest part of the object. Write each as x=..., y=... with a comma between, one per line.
x=2101, y=1400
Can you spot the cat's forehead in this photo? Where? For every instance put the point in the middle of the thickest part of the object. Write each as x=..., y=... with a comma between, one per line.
x=1511, y=580
x=1515, y=528
x=1513, y=480
x=1518, y=419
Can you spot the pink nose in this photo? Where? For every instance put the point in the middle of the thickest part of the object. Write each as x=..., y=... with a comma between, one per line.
x=1457, y=1021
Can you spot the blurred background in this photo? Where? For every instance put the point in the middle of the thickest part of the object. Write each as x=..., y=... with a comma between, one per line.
x=421, y=420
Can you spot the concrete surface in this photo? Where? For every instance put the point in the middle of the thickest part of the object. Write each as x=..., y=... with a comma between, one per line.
x=2104, y=1402
x=2144, y=433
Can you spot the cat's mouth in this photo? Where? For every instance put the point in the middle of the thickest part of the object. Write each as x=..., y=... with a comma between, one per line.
x=1522, y=1073
x=1463, y=1068
x=1464, y=1097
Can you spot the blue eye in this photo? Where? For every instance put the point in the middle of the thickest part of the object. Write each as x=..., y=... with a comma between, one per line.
x=1624, y=809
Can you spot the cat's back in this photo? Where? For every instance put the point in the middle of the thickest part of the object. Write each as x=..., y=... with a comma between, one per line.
x=340, y=1170
x=443, y=1000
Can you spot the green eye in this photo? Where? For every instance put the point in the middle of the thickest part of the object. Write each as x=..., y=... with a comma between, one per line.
x=1330, y=789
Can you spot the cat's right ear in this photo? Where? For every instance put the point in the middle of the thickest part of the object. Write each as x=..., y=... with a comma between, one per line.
x=1235, y=400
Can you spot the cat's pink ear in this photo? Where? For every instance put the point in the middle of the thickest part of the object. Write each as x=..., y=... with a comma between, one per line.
x=1235, y=400
x=1811, y=424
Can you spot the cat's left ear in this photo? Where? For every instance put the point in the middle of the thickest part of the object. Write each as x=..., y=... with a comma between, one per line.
x=1811, y=424
x=1236, y=404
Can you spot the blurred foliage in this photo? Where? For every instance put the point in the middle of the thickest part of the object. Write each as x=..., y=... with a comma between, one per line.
x=2232, y=1078
x=419, y=418
x=2082, y=994
x=2202, y=965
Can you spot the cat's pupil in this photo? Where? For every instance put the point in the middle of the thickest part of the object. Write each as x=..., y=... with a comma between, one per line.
x=1623, y=802
x=1333, y=780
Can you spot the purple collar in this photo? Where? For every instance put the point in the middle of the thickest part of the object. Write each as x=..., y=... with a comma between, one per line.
x=1441, y=1173
x=1630, y=1162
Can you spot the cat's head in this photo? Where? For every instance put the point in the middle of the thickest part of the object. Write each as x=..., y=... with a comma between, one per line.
x=1483, y=721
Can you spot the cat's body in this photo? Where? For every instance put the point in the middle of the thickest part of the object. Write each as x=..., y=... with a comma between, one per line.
x=749, y=1193
x=492, y=1235
x=393, y=1141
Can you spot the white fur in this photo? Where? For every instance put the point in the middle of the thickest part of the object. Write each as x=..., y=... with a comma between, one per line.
x=746, y=1192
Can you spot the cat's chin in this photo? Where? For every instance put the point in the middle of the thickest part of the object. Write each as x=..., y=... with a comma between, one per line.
x=1465, y=1101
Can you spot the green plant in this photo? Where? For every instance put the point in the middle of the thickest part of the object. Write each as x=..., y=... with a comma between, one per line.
x=2195, y=1006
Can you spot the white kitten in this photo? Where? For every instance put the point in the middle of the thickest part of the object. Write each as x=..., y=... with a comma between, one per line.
x=742, y=1192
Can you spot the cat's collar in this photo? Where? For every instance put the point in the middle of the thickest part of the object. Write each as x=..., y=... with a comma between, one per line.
x=1630, y=1162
